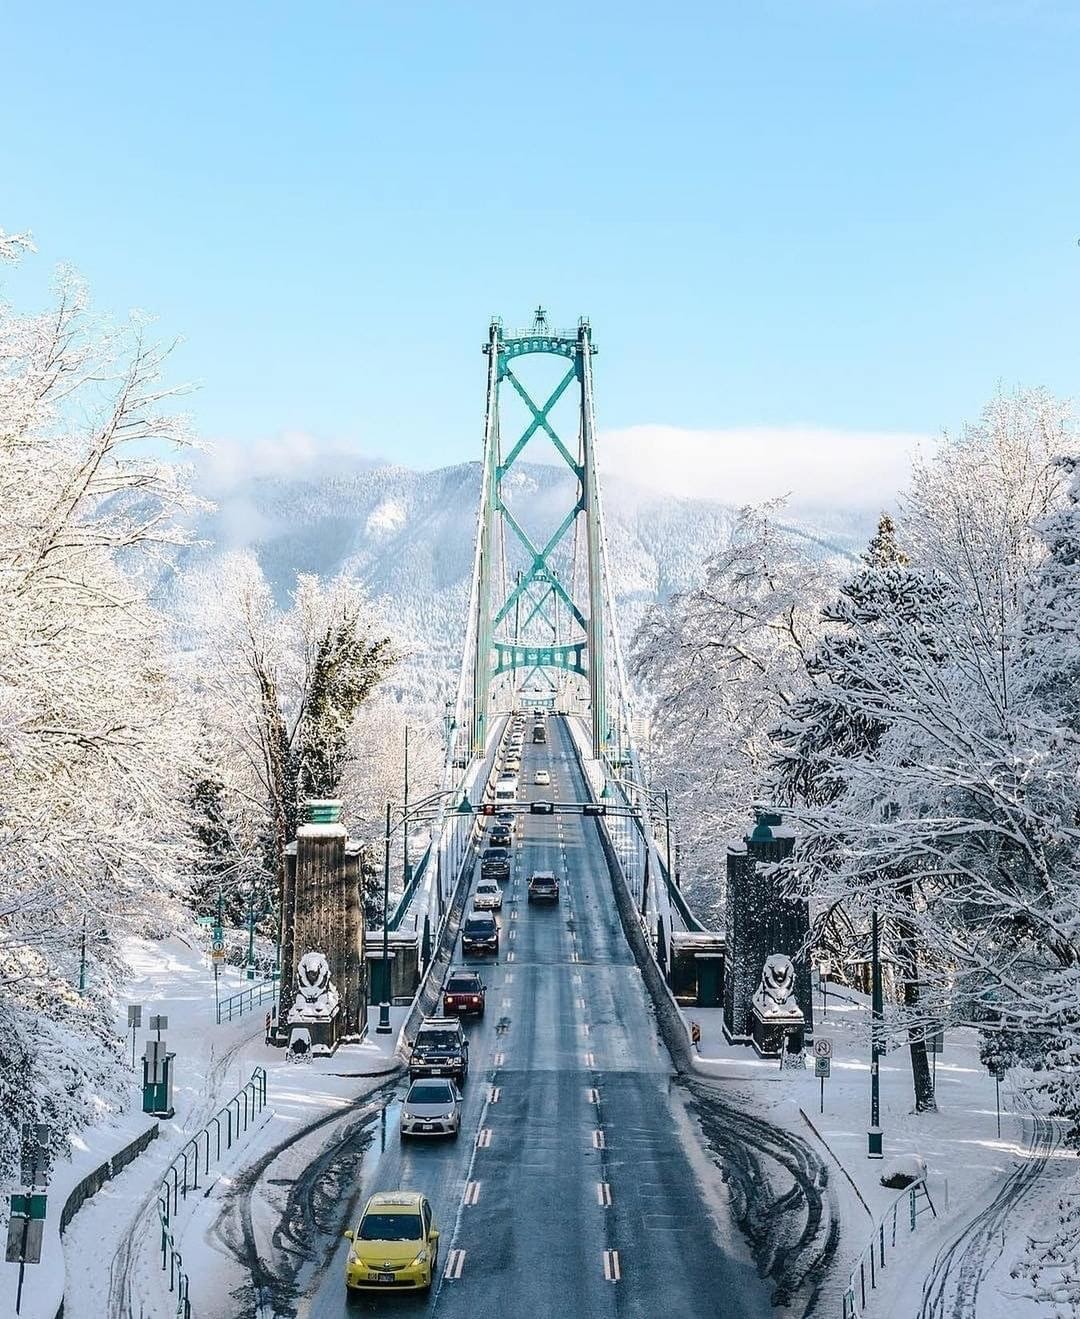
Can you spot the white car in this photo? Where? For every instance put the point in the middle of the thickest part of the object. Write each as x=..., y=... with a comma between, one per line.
x=488, y=896
x=542, y=778
x=431, y=1108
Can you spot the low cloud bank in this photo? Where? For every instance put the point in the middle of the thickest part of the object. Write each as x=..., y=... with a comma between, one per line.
x=818, y=467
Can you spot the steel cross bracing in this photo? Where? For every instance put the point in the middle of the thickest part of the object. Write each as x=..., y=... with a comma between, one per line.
x=555, y=619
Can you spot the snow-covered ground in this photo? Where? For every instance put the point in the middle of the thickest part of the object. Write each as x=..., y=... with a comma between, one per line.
x=968, y=1164
x=112, y=1245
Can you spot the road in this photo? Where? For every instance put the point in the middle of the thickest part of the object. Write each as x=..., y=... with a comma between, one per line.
x=577, y=1185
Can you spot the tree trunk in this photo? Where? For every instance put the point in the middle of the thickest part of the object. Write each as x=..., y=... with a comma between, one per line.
x=908, y=956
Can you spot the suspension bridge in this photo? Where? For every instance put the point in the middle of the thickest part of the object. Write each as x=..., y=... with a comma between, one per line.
x=585, y=1182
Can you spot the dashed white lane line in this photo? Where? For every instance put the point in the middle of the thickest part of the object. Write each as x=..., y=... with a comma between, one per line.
x=611, y=1266
x=483, y=1138
x=510, y=956
x=455, y=1262
x=575, y=979
x=494, y=1092
x=593, y=1095
x=506, y=1002
x=499, y=1059
x=513, y=934
x=509, y=977
x=599, y=1143
x=581, y=1004
x=584, y=1028
x=590, y=1060
x=603, y=1194
x=472, y=1193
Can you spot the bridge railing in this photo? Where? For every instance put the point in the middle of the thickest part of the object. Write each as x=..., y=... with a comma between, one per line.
x=891, y=1233
x=182, y=1176
x=244, y=1000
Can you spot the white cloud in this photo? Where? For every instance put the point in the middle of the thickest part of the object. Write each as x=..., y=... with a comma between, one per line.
x=227, y=462
x=740, y=465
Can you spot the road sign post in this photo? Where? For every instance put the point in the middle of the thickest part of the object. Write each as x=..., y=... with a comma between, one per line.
x=822, y=1063
x=134, y=1022
x=998, y=1073
x=26, y=1221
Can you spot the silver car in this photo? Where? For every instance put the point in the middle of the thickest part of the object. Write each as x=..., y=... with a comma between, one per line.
x=431, y=1108
x=488, y=896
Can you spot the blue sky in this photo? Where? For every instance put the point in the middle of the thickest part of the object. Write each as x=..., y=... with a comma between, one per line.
x=820, y=217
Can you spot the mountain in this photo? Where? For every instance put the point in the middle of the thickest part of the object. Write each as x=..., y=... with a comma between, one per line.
x=408, y=535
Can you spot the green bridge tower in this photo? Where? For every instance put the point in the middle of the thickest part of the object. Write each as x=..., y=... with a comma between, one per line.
x=540, y=606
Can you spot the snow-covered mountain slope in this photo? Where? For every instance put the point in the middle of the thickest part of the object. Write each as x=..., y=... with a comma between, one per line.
x=409, y=536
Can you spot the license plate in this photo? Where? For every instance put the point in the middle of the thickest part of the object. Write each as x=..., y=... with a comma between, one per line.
x=385, y=1277
x=436, y=1071
x=427, y=1126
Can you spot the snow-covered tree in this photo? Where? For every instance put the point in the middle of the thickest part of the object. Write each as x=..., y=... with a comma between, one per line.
x=93, y=738
x=720, y=664
x=960, y=823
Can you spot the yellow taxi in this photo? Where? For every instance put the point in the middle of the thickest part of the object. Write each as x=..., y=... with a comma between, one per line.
x=395, y=1245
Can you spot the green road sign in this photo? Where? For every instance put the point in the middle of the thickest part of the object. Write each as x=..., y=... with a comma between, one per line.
x=28, y=1206
x=204, y=920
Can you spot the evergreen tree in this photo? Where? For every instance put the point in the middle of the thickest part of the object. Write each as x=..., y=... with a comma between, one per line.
x=826, y=730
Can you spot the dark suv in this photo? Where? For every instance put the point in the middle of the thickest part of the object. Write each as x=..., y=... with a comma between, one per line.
x=440, y=1049
x=480, y=934
x=463, y=992
x=500, y=836
x=543, y=887
x=495, y=863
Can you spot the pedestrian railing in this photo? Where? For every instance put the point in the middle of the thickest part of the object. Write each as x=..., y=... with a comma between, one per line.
x=182, y=1175
x=890, y=1233
x=245, y=999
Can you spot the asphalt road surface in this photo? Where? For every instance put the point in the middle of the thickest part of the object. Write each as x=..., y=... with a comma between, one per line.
x=577, y=1186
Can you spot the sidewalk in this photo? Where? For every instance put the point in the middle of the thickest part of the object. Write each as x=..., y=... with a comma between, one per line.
x=212, y=1063
x=966, y=1160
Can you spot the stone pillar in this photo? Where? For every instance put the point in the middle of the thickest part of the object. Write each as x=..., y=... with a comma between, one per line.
x=323, y=912
x=760, y=922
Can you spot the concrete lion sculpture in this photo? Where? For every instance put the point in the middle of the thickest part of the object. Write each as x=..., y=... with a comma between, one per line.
x=776, y=995
x=316, y=997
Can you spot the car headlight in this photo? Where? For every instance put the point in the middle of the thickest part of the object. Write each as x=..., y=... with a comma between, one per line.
x=420, y=1260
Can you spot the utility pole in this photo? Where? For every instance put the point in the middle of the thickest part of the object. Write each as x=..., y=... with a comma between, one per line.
x=874, y=1142
x=383, y=1028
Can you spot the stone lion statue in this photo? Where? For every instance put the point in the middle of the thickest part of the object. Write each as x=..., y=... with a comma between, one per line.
x=316, y=997
x=776, y=995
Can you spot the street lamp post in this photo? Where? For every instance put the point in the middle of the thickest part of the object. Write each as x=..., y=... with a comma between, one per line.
x=250, y=969
x=667, y=830
x=383, y=1028
x=874, y=1141
x=82, y=958
x=406, y=869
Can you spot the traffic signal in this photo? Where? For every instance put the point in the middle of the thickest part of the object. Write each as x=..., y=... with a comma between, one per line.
x=488, y=808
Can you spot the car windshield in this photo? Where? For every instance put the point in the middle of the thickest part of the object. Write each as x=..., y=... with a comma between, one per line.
x=496, y=854
x=437, y=1039
x=479, y=926
x=543, y=879
x=462, y=985
x=390, y=1227
x=430, y=1092
x=487, y=888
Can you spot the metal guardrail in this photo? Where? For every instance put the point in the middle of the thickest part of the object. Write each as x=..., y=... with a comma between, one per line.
x=182, y=1175
x=866, y=1274
x=246, y=999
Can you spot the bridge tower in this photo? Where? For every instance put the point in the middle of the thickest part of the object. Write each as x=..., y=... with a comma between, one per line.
x=540, y=605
